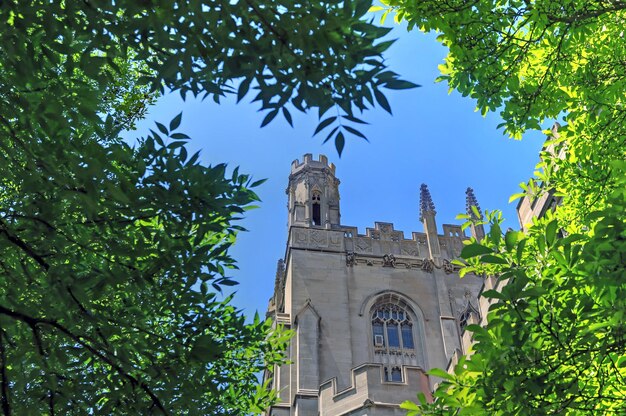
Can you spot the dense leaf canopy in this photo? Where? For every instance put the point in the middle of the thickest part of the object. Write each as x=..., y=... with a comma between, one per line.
x=112, y=252
x=555, y=342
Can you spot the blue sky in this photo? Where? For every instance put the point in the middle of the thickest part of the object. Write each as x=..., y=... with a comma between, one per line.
x=433, y=137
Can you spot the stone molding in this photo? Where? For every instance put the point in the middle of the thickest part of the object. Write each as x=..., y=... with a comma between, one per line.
x=399, y=262
x=316, y=238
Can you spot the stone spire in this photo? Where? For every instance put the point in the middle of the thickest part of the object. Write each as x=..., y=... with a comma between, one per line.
x=477, y=230
x=427, y=217
x=279, y=286
x=426, y=202
x=471, y=201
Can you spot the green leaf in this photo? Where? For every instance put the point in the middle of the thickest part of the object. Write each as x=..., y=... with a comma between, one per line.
x=162, y=128
x=354, y=119
x=180, y=136
x=382, y=100
x=331, y=134
x=355, y=132
x=269, y=117
x=492, y=294
x=412, y=407
x=323, y=124
x=287, y=116
x=257, y=183
x=175, y=122
x=383, y=46
x=397, y=84
x=475, y=328
x=491, y=259
x=520, y=250
x=438, y=372
x=551, y=229
x=473, y=250
x=510, y=239
x=362, y=7
x=340, y=142
x=243, y=88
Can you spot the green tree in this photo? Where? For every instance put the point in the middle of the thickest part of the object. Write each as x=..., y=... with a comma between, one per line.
x=112, y=253
x=556, y=340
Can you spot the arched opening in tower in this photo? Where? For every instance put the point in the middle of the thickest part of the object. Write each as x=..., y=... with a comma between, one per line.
x=317, y=216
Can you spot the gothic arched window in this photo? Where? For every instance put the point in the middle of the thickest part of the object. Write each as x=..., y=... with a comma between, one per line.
x=468, y=316
x=396, y=337
x=464, y=319
x=392, y=327
x=316, y=208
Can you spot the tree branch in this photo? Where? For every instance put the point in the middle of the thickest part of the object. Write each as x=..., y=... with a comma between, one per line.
x=32, y=322
x=6, y=408
x=23, y=246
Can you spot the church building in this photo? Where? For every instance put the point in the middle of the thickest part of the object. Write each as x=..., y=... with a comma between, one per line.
x=371, y=312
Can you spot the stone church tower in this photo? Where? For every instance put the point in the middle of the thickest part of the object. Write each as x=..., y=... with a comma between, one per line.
x=371, y=312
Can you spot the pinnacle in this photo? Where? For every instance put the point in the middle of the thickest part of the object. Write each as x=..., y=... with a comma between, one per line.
x=426, y=202
x=471, y=201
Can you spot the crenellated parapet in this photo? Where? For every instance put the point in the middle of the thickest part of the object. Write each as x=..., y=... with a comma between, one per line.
x=310, y=163
x=365, y=391
x=382, y=244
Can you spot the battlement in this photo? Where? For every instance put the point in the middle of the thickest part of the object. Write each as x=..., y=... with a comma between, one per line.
x=381, y=240
x=321, y=163
x=368, y=390
x=385, y=231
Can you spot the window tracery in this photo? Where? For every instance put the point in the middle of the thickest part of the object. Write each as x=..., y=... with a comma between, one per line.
x=464, y=319
x=395, y=335
x=468, y=316
x=392, y=327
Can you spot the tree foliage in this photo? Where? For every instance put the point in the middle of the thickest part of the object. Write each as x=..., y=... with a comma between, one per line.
x=555, y=339
x=112, y=252
x=296, y=55
x=536, y=61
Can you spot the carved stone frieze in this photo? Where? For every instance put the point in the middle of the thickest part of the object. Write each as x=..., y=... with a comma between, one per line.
x=409, y=249
x=318, y=238
x=363, y=245
x=447, y=266
x=385, y=228
x=335, y=239
x=428, y=265
x=389, y=260
x=301, y=237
